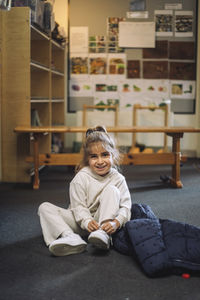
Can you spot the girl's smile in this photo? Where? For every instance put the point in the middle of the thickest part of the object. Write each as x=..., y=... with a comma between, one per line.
x=100, y=160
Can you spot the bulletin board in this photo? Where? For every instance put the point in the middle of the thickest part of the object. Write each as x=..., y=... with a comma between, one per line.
x=129, y=56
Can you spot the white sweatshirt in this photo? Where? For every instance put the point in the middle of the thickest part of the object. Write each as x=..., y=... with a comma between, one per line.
x=85, y=190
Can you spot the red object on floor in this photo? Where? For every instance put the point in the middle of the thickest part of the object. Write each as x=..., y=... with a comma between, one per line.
x=186, y=275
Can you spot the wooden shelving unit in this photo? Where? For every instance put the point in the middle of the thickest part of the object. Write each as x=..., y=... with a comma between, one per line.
x=33, y=78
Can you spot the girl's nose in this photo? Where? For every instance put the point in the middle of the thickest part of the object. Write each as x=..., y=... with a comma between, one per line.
x=100, y=160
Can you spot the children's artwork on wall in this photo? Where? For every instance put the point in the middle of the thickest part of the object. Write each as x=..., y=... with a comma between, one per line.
x=128, y=86
x=142, y=91
x=101, y=100
x=152, y=96
x=156, y=90
x=181, y=50
x=155, y=69
x=97, y=64
x=133, y=69
x=184, y=23
x=106, y=92
x=117, y=64
x=164, y=22
x=97, y=44
x=160, y=88
x=113, y=35
x=131, y=92
x=160, y=50
x=113, y=26
x=80, y=87
x=182, y=71
x=102, y=87
x=113, y=45
x=79, y=65
x=182, y=89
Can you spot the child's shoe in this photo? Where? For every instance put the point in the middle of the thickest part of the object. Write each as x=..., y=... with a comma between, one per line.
x=70, y=244
x=100, y=239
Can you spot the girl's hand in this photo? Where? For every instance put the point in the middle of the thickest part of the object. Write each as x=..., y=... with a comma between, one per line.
x=109, y=228
x=92, y=226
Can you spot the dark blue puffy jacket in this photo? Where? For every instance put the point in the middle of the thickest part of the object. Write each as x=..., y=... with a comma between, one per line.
x=161, y=246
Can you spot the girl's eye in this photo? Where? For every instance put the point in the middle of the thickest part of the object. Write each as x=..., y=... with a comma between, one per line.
x=106, y=154
x=93, y=156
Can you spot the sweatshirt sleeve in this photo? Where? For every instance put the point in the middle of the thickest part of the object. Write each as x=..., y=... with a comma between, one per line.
x=78, y=203
x=124, y=212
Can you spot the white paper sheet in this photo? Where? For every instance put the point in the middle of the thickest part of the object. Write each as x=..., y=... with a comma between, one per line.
x=137, y=34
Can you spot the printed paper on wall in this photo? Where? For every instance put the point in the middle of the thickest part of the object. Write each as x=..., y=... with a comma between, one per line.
x=182, y=89
x=130, y=34
x=184, y=23
x=164, y=22
x=79, y=39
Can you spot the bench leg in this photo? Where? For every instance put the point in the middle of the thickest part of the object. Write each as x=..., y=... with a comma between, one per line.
x=36, y=183
x=176, y=180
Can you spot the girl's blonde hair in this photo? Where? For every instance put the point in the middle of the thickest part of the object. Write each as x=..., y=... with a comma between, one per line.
x=95, y=135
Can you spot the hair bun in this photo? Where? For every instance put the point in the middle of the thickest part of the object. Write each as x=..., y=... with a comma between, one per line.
x=99, y=128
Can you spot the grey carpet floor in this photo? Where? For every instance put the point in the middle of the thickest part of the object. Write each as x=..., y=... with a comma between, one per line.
x=28, y=271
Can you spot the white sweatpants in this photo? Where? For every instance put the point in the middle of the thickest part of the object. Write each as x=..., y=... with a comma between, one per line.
x=55, y=220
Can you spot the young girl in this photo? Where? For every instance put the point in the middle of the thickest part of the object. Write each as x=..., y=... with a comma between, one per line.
x=100, y=201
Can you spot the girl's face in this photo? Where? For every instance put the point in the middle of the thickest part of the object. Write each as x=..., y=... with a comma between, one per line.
x=100, y=160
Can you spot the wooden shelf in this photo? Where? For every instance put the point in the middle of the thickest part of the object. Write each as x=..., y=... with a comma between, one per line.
x=38, y=34
x=37, y=67
x=58, y=100
x=33, y=80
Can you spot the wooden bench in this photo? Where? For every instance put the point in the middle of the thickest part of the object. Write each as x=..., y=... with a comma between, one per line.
x=172, y=158
x=138, y=107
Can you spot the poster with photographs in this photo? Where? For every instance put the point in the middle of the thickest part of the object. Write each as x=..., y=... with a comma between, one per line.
x=182, y=89
x=80, y=87
x=78, y=65
x=113, y=25
x=113, y=34
x=164, y=22
x=142, y=91
x=106, y=92
x=105, y=99
x=117, y=64
x=131, y=92
x=183, y=23
x=97, y=44
x=98, y=64
x=113, y=45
